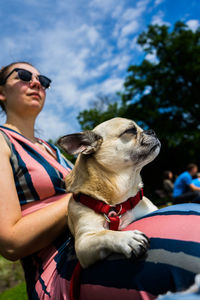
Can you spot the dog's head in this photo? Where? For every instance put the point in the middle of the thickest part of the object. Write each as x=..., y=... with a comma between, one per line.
x=116, y=144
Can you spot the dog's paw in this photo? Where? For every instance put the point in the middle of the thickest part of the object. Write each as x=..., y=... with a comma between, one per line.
x=133, y=243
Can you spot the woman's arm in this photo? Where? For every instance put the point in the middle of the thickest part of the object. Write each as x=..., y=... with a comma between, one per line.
x=21, y=236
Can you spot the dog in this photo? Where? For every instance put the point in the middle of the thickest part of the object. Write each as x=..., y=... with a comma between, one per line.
x=107, y=173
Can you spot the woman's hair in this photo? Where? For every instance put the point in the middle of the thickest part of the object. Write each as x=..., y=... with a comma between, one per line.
x=166, y=174
x=4, y=72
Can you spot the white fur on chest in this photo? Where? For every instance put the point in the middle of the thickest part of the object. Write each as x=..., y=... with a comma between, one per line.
x=126, y=219
x=144, y=207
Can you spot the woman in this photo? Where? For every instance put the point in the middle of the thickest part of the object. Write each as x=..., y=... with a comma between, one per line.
x=168, y=183
x=33, y=210
x=30, y=171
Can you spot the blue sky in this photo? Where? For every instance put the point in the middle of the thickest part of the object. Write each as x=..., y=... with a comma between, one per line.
x=84, y=46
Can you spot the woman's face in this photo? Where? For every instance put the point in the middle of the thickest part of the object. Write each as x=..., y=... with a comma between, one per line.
x=22, y=97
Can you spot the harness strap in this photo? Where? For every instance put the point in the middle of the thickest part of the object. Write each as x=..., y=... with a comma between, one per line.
x=74, y=291
x=111, y=213
x=114, y=223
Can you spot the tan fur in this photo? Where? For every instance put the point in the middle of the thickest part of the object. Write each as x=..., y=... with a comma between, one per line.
x=108, y=169
x=89, y=178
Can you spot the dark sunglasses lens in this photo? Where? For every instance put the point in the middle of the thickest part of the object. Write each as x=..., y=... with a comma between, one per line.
x=24, y=75
x=45, y=82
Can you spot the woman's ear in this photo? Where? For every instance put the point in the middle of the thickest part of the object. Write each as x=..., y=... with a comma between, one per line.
x=2, y=95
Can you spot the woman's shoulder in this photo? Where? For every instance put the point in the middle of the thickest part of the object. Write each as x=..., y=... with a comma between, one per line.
x=4, y=144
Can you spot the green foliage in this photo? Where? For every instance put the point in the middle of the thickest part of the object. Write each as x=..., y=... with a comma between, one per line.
x=11, y=274
x=16, y=293
x=12, y=286
x=164, y=94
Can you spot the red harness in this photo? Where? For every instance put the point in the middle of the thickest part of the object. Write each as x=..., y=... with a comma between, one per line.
x=111, y=213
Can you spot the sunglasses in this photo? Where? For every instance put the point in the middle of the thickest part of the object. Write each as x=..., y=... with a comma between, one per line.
x=26, y=76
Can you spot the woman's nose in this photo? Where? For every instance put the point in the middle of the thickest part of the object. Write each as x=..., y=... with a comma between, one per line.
x=35, y=81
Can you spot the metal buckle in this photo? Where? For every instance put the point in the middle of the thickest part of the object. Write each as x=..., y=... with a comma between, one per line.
x=116, y=214
x=106, y=217
x=120, y=211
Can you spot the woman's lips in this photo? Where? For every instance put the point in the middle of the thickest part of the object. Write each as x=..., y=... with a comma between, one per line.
x=36, y=95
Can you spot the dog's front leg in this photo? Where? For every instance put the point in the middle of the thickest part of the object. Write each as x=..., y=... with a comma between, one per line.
x=93, y=242
x=94, y=246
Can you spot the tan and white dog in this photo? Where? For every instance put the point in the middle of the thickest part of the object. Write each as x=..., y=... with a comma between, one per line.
x=108, y=169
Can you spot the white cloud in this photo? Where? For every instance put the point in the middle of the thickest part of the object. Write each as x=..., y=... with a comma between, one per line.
x=158, y=19
x=104, y=5
x=152, y=57
x=51, y=125
x=117, y=12
x=34, y=3
x=112, y=85
x=129, y=23
x=130, y=28
x=121, y=62
x=193, y=24
x=132, y=13
x=122, y=43
x=109, y=86
x=135, y=46
x=158, y=2
x=88, y=32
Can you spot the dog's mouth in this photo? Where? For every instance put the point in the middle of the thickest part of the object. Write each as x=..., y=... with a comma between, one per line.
x=149, y=152
x=157, y=145
x=150, y=146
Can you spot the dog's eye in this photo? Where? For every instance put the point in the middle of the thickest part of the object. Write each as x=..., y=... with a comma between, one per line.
x=131, y=130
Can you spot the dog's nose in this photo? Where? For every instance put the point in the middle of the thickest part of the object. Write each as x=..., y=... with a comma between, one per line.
x=150, y=132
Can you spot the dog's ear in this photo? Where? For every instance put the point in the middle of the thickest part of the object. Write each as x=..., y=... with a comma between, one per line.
x=86, y=142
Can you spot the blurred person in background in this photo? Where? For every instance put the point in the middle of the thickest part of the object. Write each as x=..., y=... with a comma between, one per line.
x=184, y=188
x=196, y=181
x=167, y=183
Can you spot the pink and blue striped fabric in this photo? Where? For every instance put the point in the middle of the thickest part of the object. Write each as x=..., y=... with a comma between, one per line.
x=170, y=264
x=37, y=174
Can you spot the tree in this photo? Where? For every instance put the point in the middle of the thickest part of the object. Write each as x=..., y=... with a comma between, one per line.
x=103, y=108
x=163, y=94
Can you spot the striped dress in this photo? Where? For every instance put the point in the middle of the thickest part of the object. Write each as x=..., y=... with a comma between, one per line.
x=171, y=263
